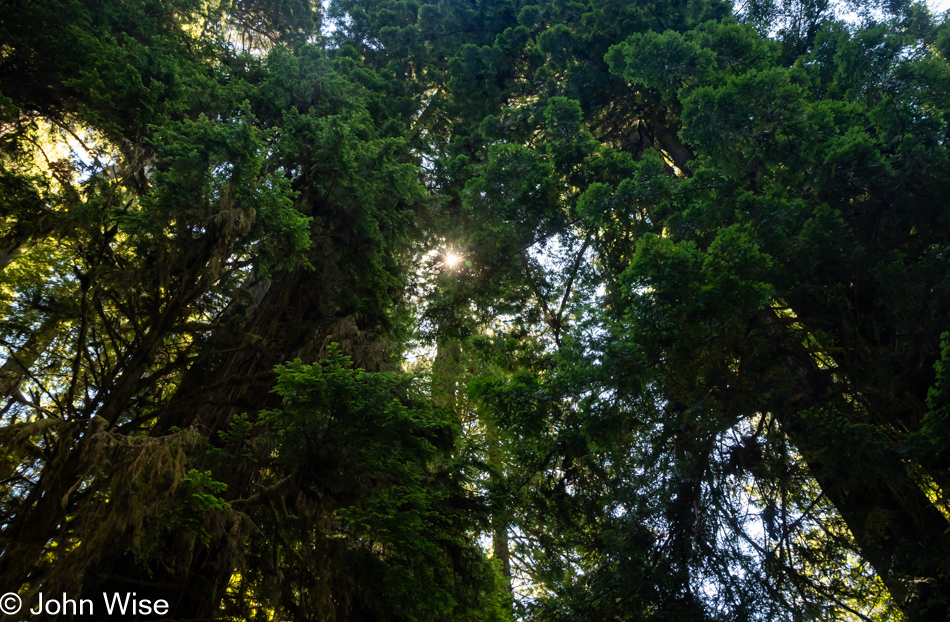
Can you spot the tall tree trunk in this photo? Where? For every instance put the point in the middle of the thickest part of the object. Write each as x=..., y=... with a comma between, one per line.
x=900, y=532
x=234, y=377
x=499, y=509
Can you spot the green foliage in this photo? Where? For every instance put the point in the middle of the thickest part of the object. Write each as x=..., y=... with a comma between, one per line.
x=937, y=422
x=379, y=507
x=196, y=498
x=763, y=215
x=190, y=189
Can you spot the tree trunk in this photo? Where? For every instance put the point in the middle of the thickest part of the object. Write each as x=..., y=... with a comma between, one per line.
x=499, y=511
x=900, y=532
x=235, y=377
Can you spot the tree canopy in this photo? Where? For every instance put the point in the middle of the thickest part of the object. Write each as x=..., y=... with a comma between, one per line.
x=484, y=310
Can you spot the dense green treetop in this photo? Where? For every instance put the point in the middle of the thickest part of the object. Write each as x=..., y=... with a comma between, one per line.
x=194, y=193
x=765, y=215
